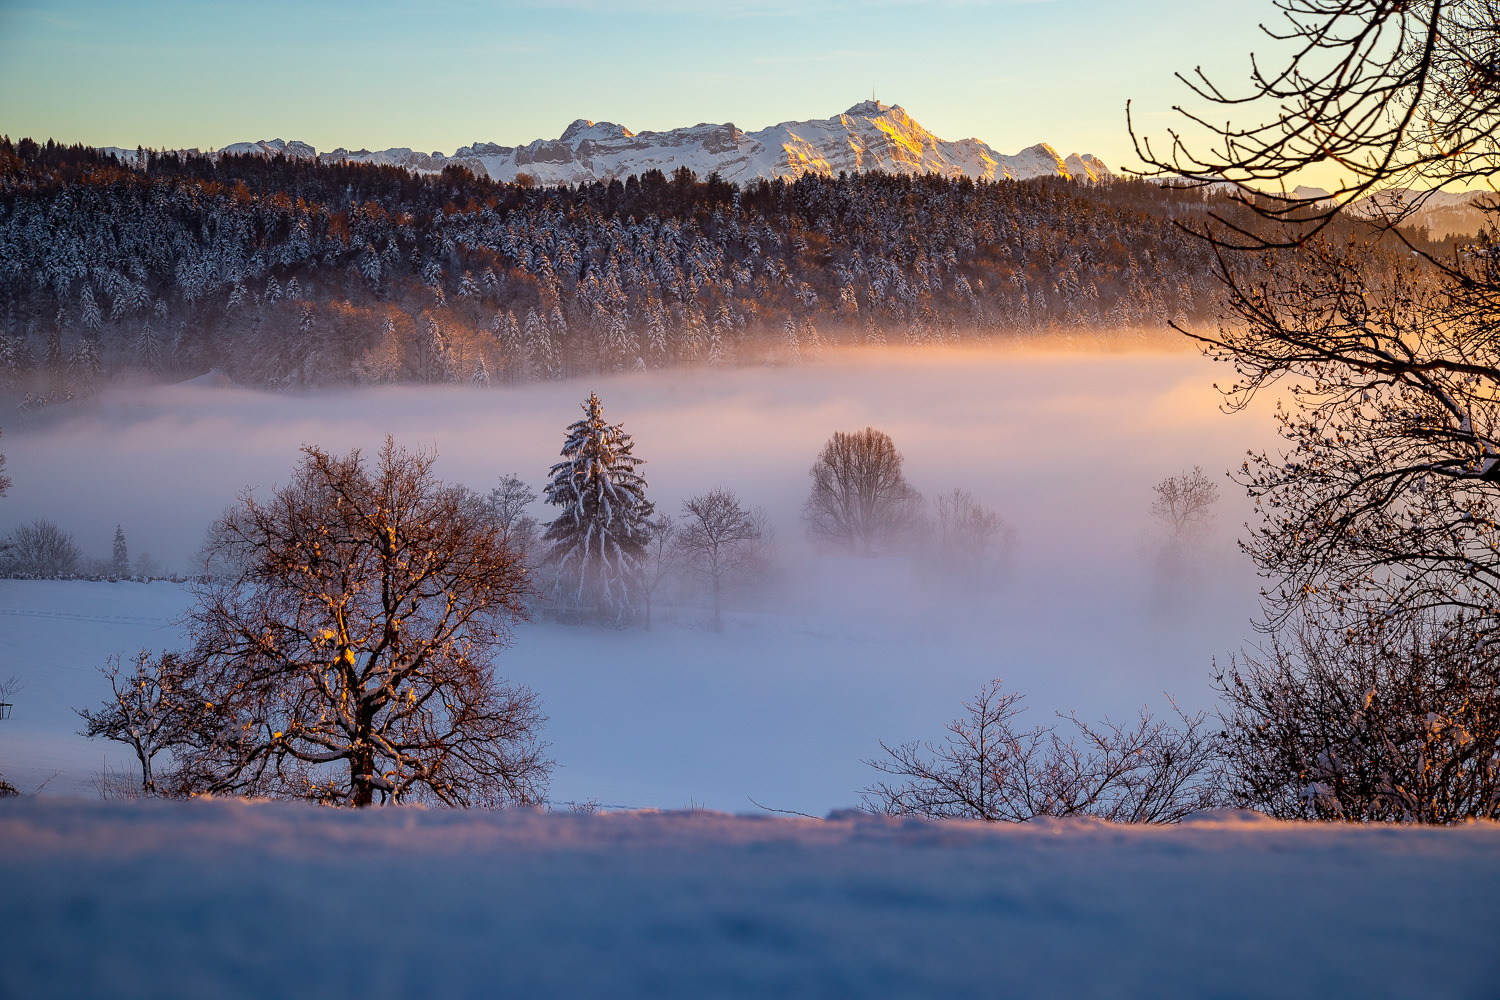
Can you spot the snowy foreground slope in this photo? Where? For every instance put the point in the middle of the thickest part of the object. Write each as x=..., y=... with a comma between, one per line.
x=229, y=899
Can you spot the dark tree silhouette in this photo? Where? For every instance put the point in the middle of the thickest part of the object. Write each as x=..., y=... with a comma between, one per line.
x=1390, y=362
x=1393, y=92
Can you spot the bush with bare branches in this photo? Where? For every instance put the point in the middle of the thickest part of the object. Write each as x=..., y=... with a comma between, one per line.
x=1378, y=720
x=40, y=549
x=1151, y=771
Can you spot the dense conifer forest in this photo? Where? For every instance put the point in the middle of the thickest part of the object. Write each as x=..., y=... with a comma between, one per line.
x=295, y=273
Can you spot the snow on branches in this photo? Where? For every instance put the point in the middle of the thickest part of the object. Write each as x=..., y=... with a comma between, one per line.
x=597, y=541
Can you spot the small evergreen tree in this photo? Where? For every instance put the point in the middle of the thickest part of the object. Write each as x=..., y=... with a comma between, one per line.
x=148, y=348
x=597, y=542
x=88, y=310
x=120, y=559
x=56, y=361
x=793, y=346
x=84, y=367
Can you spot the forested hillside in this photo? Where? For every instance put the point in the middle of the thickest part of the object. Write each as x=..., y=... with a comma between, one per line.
x=285, y=272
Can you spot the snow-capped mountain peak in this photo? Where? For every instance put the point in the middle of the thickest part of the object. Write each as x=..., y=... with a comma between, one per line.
x=870, y=136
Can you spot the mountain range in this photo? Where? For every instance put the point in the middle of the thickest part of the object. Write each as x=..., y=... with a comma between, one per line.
x=868, y=137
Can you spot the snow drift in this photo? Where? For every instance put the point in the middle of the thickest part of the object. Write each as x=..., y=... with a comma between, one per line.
x=229, y=899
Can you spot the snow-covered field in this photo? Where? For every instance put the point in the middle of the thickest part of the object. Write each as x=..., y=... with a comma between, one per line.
x=231, y=899
x=782, y=706
x=225, y=899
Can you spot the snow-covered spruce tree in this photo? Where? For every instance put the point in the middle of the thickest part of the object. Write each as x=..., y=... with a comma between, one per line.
x=595, y=545
x=119, y=563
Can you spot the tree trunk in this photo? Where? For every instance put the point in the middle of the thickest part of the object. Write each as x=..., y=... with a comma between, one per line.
x=718, y=618
x=361, y=771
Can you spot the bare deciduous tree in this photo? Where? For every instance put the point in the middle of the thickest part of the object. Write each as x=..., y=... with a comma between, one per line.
x=150, y=710
x=350, y=649
x=508, y=502
x=1379, y=720
x=972, y=542
x=660, y=559
x=860, y=500
x=1387, y=493
x=1392, y=91
x=717, y=538
x=41, y=548
x=1388, y=355
x=986, y=768
x=1184, y=504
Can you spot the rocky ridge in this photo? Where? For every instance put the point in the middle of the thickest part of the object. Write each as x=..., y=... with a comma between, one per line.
x=868, y=137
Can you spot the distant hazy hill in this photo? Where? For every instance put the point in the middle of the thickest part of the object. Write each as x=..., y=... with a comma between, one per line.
x=1445, y=214
x=868, y=137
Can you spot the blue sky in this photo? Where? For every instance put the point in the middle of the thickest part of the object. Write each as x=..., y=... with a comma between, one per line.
x=437, y=74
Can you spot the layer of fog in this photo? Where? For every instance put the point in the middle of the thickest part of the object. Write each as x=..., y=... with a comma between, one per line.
x=1066, y=446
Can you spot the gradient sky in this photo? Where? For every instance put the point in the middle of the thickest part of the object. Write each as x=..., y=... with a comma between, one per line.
x=437, y=74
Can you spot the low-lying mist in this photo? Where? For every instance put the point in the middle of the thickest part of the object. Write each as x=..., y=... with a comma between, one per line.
x=1094, y=613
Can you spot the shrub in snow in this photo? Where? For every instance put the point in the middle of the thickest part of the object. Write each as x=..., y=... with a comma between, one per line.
x=40, y=549
x=986, y=768
x=1367, y=719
